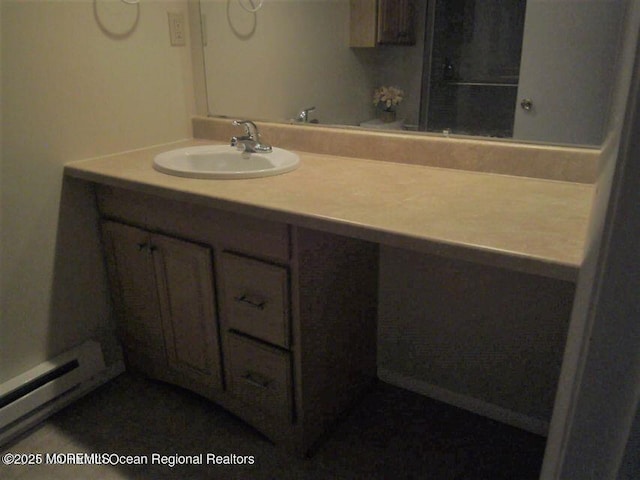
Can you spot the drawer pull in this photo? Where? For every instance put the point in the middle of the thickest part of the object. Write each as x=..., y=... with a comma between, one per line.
x=253, y=379
x=251, y=301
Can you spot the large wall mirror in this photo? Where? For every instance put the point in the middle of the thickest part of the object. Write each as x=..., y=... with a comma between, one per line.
x=531, y=70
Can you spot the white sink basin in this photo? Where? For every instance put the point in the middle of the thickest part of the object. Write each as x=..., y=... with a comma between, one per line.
x=223, y=161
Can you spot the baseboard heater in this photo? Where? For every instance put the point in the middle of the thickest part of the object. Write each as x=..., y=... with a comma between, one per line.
x=47, y=384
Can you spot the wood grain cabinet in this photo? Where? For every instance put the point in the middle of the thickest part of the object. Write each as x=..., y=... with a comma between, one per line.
x=276, y=323
x=165, y=303
x=259, y=375
x=382, y=22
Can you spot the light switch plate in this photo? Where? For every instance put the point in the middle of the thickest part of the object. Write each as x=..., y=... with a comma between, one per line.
x=177, y=32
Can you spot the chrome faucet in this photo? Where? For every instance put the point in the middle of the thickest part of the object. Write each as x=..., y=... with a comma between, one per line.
x=250, y=141
x=303, y=116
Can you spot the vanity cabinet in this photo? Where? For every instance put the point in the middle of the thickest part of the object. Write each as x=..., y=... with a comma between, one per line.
x=275, y=323
x=382, y=22
x=165, y=304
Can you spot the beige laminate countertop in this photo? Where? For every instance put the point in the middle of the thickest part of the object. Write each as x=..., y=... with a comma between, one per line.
x=524, y=224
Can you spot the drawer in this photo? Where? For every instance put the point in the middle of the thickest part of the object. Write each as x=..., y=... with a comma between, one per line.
x=256, y=298
x=260, y=376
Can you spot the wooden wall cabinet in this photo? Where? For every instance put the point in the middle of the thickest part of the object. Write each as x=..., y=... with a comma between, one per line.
x=382, y=22
x=293, y=343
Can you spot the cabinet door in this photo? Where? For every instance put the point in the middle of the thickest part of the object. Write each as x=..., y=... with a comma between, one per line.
x=382, y=22
x=363, y=23
x=570, y=98
x=163, y=294
x=135, y=297
x=184, y=273
x=396, y=21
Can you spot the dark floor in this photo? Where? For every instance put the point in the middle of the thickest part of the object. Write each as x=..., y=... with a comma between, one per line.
x=392, y=434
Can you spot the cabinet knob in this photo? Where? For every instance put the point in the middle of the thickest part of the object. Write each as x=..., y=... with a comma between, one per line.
x=527, y=104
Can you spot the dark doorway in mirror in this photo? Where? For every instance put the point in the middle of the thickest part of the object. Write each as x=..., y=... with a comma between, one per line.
x=473, y=49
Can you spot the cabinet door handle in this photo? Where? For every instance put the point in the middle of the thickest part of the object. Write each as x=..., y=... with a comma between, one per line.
x=252, y=379
x=251, y=301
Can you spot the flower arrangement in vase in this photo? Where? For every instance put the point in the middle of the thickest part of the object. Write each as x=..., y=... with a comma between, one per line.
x=386, y=99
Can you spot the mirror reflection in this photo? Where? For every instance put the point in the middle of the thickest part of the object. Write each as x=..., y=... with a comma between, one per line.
x=475, y=65
x=536, y=70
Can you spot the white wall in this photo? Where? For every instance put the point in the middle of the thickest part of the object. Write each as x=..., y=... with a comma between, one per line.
x=79, y=79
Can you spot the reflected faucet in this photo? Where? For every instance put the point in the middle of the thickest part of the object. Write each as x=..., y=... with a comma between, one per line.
x=303, y=116
x=250, y=141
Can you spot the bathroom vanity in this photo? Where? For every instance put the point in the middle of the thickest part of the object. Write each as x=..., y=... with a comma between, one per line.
x=261, y=294
x=274, y=322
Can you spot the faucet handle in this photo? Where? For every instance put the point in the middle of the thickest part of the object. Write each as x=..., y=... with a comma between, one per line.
x=303, y=116
x=250, y=128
